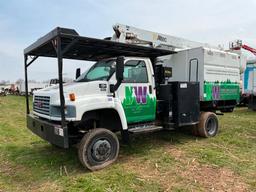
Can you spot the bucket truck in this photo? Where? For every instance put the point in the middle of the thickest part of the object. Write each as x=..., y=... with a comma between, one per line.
x=124, y=91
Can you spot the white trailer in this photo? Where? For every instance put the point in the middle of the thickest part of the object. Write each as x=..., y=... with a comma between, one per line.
x=31, y=87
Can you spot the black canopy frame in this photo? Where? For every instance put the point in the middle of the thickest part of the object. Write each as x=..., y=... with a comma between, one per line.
x=64, y=43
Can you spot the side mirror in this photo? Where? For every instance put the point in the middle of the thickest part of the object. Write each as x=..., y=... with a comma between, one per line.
x=78, y=72
x=119, y=74
x=120, y=68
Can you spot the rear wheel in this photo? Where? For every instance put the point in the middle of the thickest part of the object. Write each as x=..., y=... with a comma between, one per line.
x=98, y=149
x=208, y=125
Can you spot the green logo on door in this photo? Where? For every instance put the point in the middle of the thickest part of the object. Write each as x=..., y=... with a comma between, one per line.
x=138, y=105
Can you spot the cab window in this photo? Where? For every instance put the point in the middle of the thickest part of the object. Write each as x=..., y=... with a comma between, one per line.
x=135, y=71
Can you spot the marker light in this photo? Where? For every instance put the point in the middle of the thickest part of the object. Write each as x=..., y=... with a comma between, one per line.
x=72, y=96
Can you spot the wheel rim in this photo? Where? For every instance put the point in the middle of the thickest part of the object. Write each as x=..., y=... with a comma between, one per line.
x=101, y=150
x=211, y=126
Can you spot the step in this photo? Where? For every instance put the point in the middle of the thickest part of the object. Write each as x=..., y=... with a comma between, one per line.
x=143, y=129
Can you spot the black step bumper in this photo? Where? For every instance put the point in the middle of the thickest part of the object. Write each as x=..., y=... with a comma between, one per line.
x=51, y=132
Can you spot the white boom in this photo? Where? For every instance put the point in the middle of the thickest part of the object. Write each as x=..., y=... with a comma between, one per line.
x=133, y=35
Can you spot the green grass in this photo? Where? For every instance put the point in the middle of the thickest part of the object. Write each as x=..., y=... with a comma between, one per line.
x=164, y=161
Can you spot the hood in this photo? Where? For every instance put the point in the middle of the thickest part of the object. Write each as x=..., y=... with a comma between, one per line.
x=78, y=88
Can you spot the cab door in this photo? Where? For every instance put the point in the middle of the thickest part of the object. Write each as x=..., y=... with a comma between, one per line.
x=136, y=92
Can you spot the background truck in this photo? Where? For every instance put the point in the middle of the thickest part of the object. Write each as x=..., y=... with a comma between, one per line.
x=248, y=94
x=125, y=91
x=2, y=91
x=249, y=84
x=32, y=86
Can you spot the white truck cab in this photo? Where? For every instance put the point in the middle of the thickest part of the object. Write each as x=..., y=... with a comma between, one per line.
x=134, y=101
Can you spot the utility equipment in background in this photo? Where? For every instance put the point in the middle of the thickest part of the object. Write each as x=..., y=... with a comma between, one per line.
x=238, y=45
x=248, y=95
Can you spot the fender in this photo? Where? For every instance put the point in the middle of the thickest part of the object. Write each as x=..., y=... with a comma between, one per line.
x=101, y=102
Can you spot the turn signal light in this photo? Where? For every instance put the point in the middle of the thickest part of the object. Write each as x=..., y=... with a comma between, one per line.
x=72, y=96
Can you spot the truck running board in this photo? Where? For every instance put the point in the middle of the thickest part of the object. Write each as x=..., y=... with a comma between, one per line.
x=144, y=129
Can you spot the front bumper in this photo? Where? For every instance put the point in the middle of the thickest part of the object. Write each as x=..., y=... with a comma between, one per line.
x=52, y=132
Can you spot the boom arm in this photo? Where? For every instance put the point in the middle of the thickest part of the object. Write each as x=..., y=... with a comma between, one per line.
x=133, y=35
x=252, y=50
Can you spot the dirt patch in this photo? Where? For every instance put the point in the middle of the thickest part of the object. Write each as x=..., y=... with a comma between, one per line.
x=46, y=186
x=209, y=177
x=9, y=170
x=213, y=179
x=185, y=173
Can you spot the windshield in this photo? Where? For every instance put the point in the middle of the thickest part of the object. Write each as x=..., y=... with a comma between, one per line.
x=102, y=70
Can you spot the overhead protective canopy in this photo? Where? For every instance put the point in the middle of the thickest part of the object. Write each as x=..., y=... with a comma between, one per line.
x=78, y=47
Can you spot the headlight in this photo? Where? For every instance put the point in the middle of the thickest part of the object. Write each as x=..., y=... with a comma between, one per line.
x=70, y=111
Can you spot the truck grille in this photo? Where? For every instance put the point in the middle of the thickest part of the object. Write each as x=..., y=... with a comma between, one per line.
x=42, y=105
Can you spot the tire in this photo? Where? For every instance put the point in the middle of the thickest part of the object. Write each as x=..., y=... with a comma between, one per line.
x=98, y=149
x=208, y=125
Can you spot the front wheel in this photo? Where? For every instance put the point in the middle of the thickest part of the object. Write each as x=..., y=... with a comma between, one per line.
x=98, y=149
x=208, y=124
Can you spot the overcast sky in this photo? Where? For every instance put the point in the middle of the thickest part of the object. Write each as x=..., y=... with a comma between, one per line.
x=24, y=21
